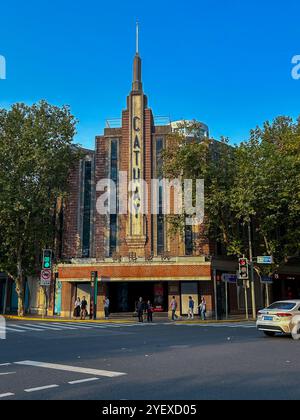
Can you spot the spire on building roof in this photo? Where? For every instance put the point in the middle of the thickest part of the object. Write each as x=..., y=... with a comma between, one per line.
x=137, y=37
x=137, y=85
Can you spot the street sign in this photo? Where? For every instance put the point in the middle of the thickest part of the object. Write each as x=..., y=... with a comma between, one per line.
x=268, y=260
x=46, y=278
x=267, y=280
x=229, y=278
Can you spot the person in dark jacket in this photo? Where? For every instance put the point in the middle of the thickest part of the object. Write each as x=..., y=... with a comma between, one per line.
x=84, y=306
x=150, y=311
x=140, y=309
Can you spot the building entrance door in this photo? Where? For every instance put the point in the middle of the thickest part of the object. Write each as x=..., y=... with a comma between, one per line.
x=124, y=296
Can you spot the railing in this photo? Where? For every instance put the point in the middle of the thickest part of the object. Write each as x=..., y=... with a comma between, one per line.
x=114, y=123
x=117, y=122
x=162, y=121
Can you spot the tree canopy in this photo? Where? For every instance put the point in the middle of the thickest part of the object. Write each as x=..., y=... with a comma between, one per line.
x=36, y=154
x=256, y=182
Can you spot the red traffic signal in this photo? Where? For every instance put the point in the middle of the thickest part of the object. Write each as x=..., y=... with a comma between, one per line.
x=244, y=269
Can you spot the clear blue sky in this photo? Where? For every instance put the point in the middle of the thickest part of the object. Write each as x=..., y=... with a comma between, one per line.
x=225, y=62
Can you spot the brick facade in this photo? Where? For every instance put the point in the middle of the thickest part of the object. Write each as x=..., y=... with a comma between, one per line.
x=175, y=269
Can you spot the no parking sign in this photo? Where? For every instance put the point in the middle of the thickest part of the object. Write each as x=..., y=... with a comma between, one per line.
x=46, y=278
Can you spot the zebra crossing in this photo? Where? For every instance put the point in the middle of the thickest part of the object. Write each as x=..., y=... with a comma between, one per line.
x=64, y=327
x=42, y=327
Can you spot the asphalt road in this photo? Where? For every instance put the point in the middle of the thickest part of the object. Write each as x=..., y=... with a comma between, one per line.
x=149, y=362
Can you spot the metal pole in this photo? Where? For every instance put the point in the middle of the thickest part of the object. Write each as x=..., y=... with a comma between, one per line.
x=246, y=301
x=215, y=292
x=226, y=295
x=95, y=296
x=268, y=295
x=252, y=272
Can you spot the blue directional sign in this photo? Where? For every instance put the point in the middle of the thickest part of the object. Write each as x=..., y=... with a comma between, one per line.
x=229, y=278
x=267, y=280
x=265, y=260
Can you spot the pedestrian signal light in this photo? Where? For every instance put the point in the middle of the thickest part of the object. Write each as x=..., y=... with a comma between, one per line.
x=47, y=259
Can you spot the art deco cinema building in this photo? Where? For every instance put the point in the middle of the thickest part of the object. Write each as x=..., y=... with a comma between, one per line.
x=134, y=254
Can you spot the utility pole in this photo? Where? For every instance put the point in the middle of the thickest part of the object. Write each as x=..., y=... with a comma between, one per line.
x=252, y=271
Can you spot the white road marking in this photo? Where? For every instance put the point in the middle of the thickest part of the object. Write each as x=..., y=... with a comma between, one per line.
x=41, y=388
x=9, y=394
x=94, y=325
x=113, y=326
x=7, y=373
x=53, y=326
x=76, y=369
x=63, y=327
x=78, y=326
x=11, y=329
x=83, y=381
x=5, y=364
x=43, y=327
x=97, y=326
x=27, y=328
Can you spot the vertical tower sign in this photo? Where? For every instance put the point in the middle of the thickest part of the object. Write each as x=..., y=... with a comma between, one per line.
x=136, y=236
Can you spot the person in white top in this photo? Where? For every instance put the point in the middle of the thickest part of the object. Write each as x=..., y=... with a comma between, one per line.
x=77, y=308
x=173, y=307
x=202, y=307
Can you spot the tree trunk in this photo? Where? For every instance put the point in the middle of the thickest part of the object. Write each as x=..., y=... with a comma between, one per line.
x=20, y=286
x=20, y=292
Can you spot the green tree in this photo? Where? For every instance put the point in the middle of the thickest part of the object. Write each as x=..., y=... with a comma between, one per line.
x=189, y=155
x=256, y=183
x=266, y=191
x=36, y=154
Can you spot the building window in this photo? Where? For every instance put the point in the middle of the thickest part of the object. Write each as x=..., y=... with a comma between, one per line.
x=159, y=150
x=114, y=177
x=160, y=218
x=87, y=203
x=113, y=234
x=189, y=240
x=160, y=235
x=114, y=161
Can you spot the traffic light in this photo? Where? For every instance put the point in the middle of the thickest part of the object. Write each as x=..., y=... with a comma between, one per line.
x=243, y=269
x=47, y=259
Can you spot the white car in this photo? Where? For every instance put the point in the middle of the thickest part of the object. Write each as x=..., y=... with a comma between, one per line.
x=280, y=318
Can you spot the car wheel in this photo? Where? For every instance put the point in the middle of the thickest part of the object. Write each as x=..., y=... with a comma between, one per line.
x=296, y=332
x=269, y=333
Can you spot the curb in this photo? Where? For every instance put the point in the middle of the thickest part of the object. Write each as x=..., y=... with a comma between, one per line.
x=121, y=321
x=229, y=321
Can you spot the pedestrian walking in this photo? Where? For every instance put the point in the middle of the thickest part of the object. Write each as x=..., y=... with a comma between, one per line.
x=150, y=311
x=191, y=308
x=77, y=308
x=173, y=307
x=106, y=307
x=140, y=309
x=202, y=307
x=84, y=305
